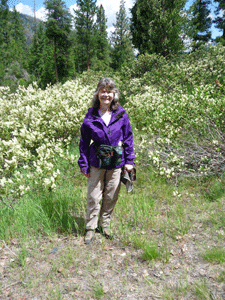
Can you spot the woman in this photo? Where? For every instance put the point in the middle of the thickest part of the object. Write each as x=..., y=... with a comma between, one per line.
x=105, y=126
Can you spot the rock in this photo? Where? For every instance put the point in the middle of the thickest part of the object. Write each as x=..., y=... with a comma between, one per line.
x=184, y=248
x=105, y=288
x=145, y=273
x=14, y=241
x=54, y=250
x=202, y=272
x=107, y=248
x=60, y=270
x=158, y=274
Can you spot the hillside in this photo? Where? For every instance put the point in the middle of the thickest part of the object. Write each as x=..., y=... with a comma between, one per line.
x=29, y=26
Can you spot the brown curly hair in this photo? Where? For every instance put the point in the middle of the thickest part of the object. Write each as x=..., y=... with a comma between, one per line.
x=103, y=83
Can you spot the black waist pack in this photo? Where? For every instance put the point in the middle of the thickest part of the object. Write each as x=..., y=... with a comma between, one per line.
x=108, y=156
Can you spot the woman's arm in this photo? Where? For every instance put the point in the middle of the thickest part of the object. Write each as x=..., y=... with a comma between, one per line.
x=85, y=139
x=129, y=154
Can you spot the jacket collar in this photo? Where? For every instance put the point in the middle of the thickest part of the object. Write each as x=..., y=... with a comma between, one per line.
x=94, y=113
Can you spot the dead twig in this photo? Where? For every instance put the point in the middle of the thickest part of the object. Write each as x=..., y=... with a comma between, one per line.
x=12, y=284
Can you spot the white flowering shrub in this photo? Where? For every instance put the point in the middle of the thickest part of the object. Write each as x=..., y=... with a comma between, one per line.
x=201, y=67
x=177, y=110
x=182, y=130
x=36, y=127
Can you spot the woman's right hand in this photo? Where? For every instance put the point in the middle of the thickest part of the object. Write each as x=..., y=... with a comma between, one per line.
x=87, y=175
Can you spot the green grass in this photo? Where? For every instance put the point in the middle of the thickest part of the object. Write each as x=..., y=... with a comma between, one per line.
x=221, y=277
x=214, y=190
x=202, y=291
x=149, y=218
x=54, y=294
x=217, y=218
x=22, y=256
x=97, y=289
x=47, y=212
x=149, y=223
x=215, y=255
x=150, y=251
x=178, y=220
x=176, y=293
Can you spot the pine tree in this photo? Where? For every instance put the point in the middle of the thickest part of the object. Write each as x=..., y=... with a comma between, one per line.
x=220, y=20
x=4, y=21
x=41, y=58
x=58, y=28
x=47, y=70
x=122, y=51
x=84, y=26
x=12, y=47
x=156, y=26
x=35, y=51
x=18, y=40
x=102, y=48
x=4, y=36
x=4, y=27
x=79, y=53
x=200, y=23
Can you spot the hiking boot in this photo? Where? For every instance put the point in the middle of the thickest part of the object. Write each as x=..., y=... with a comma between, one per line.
x=89, y=236
x=107, y=233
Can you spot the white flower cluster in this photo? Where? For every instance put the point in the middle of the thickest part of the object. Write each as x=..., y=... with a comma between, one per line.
x=36, y=127
x=166, y=120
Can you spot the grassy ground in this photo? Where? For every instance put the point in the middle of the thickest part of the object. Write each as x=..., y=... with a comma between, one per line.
x=169, y=242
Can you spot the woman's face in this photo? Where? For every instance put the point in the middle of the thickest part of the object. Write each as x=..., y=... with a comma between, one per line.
x=105, y=97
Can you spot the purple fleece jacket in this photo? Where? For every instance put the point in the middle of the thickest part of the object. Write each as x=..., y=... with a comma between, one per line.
x=94, y=128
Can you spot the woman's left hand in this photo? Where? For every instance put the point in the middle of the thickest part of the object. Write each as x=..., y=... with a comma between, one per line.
x=128, y=167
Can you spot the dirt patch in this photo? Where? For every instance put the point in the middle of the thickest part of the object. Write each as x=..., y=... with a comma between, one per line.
x=63, y=267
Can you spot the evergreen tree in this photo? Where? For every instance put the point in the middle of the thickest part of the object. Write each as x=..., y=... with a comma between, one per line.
x=58, y=28
x=18, y=40
x=84, y=26
x=220, y=20
x=4, y=36
x=41, y=58
x=102, y=47
x=36, y=50
x=200, y=23
x=156, y=26
x=79, y=53
x=47, y=70
x=4, y=22
x=12, y=48
x=12, y=38
x=4, y=28
x=122, y=51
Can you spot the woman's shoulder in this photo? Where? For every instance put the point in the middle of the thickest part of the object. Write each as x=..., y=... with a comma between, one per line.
x=91, y=113
x=120, y=109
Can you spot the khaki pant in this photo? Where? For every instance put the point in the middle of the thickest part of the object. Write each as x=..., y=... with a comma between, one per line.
x=101, y=185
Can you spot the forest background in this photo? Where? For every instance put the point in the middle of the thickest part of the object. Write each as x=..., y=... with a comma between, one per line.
x=81, y=41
